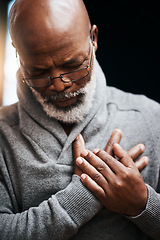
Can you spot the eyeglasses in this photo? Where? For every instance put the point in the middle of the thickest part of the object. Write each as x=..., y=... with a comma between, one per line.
x=68, y=77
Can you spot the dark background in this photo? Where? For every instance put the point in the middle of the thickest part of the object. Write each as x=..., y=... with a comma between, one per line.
x=128, y=46
x=129, y=39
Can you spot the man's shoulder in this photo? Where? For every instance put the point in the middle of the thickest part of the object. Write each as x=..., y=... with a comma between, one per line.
x=9, y=114
x=129, y=101
x=148, y=111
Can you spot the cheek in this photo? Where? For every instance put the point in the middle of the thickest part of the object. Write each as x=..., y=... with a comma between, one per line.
x=82, y=83
x=43, y=91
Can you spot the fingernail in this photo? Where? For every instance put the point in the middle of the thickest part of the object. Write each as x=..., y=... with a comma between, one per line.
x=83, y=176
x=78, y=137
x=118, y=130
x=146, y=160
x=84, y=153
x=116, y=144
x=96, y=151
x=79, y=160
x=142, y=147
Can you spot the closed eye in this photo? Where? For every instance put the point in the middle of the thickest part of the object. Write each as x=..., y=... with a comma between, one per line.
x=73, y=65
x=70, y=65
x=39, y=73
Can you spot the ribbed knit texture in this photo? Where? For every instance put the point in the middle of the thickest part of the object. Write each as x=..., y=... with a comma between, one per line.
x=42, y=199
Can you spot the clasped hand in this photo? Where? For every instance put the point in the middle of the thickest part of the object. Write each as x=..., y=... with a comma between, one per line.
x=112, y=175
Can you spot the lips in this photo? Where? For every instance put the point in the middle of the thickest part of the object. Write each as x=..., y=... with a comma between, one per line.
x=66, y=102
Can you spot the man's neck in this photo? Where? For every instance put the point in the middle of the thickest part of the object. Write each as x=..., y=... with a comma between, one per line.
x=67, y=127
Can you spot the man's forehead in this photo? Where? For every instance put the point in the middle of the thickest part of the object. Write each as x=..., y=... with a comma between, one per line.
x=52, y=19
x=63, y=46
x=65, y=57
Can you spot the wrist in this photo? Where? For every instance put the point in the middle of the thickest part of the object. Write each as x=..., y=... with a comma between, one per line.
x=141, y=204
x=80, y=204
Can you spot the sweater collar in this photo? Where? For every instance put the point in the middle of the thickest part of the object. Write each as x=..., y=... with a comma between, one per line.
x=29, y=108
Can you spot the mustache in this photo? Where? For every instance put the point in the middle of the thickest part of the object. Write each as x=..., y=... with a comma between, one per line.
x=58, y=96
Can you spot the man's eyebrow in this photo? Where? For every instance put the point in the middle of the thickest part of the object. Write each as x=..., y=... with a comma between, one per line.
x=34, y=68
x=66, y=62
x=71, y=61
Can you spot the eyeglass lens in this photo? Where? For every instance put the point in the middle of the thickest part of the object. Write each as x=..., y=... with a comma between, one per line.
x=67, y=77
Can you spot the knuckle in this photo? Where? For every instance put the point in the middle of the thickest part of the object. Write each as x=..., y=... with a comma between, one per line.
x=117, y=184
x=97, y=177
x=101, y=167
x=120, y=181
x=107, y=158
x=127, y=175
x=126, y=155
x=110, y=143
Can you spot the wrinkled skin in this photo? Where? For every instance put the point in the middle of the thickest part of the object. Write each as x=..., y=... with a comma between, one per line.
x=116, y=183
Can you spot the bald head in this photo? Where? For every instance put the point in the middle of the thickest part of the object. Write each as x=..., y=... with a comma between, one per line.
x=34, y=25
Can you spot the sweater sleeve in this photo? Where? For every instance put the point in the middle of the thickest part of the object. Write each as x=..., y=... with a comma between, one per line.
x=149, y=220
x=57, y=218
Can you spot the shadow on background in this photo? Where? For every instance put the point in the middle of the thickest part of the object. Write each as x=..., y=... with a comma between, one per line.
x=129, y=39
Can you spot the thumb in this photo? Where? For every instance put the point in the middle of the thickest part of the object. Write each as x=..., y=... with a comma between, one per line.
x=79, y=146
x=78, y=149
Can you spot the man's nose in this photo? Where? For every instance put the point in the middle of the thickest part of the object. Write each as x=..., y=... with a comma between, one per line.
x=59, y=86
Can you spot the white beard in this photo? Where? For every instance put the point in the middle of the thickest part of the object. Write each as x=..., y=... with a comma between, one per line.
x=76, y=112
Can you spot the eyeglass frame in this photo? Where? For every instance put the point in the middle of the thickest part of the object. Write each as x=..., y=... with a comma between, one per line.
x=61, y=75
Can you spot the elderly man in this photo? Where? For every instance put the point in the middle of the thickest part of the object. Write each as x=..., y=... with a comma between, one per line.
x=64, y=101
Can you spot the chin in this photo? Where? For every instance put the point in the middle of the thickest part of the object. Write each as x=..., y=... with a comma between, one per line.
x=74, y=113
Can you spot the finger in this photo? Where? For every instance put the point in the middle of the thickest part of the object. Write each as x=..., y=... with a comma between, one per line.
x=79, y=146
x=111, y=162
x=123, y=156
x=78, y=149
x=136, y=151
x=98, y=163
x=93, y=186
x=142, y=163
x=115, y=138
x=87, y=168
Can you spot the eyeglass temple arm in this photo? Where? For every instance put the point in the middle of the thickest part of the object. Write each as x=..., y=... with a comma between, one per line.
x=91, y=50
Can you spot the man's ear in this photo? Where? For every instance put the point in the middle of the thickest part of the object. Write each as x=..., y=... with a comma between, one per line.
x=95, y=37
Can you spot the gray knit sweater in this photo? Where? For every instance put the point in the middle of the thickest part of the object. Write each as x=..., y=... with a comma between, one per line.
x=41, y=198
